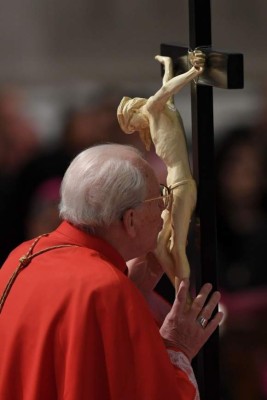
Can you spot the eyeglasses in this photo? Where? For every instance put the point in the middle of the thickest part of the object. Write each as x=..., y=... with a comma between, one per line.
x=165, y=196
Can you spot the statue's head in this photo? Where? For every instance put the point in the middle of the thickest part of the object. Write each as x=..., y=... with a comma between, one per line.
x=126, y=109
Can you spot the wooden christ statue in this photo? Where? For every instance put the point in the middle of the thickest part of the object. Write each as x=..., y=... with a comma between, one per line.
x=158, y=121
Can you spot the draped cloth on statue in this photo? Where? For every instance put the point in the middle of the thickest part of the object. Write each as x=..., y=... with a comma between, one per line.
x=75, y=327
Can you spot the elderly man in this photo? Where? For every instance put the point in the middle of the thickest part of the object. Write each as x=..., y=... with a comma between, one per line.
x=73, y=326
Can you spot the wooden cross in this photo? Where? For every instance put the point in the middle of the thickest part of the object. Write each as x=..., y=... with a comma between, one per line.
x=222, y=70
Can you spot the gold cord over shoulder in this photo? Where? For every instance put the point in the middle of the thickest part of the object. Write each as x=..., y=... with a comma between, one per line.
x=24, y=261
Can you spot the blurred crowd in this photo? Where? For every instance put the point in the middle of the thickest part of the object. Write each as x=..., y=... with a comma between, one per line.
x=241, y=197
x=30, y=176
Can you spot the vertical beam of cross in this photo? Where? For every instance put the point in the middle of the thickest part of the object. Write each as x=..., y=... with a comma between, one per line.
x=222, y=70
x=207, y=363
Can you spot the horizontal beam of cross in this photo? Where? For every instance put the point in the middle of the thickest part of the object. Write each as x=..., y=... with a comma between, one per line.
x=222, y=70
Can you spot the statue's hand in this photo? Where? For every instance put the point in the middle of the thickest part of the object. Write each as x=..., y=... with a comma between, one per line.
x=197, y=59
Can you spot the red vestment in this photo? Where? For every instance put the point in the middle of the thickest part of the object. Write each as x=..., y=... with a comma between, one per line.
x=74, y=327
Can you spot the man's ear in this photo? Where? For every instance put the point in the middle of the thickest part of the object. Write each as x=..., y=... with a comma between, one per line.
x=128, y=221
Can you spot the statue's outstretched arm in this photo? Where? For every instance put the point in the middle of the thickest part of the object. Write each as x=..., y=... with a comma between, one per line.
x=173, y=84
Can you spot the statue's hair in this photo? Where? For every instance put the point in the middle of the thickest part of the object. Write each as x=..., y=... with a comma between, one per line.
x=100, y=184
x=125, y=111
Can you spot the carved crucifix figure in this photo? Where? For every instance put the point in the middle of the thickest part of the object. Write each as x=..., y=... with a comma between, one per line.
x=157, y=120
x=224, y=70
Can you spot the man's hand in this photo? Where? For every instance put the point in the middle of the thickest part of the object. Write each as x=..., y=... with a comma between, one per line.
x=145, y=272
x=188, y=328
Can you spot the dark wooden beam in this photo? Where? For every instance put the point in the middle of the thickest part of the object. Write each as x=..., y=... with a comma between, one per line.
x=222, y=70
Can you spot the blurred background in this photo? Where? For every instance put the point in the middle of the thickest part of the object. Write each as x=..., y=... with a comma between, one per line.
x=65, y=66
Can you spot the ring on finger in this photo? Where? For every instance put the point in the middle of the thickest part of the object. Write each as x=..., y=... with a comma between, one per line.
x=202, y=321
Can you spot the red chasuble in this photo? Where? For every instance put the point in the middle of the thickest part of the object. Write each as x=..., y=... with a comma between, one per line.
x=74, y=327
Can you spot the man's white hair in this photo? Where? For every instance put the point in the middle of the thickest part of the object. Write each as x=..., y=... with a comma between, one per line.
x=100, y=184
